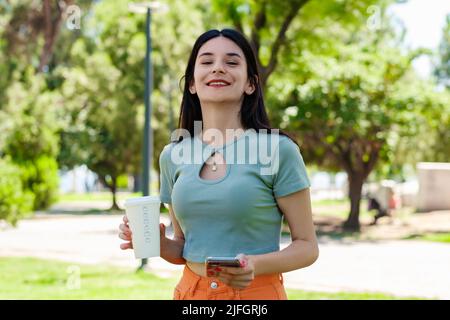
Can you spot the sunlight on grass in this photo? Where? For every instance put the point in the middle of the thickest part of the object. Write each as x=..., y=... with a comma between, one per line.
x=339, y=208
x=327, y=202
x=30, y=278
x=435, y=237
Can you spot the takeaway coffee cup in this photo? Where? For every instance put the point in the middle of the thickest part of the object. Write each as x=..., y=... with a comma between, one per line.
x=143, y=219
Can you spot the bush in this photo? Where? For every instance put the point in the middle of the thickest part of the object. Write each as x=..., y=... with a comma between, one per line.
x=15, y=203
x=122, y=182
x=41, y=178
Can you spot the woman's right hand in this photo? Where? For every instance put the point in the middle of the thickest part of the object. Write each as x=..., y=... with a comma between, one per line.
x=125, y=234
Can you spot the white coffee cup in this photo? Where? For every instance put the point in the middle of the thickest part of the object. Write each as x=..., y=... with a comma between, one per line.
x=143, y=218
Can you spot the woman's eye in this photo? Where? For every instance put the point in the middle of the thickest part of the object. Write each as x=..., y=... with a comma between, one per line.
x=229, y=62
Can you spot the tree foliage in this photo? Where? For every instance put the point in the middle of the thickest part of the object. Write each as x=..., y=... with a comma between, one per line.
x=331, y=76
x=15, y=201
x=350, y=107
x=103, y=88
x=442, y=69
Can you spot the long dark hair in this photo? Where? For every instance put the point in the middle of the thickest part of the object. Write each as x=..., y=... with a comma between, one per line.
x=253, y=112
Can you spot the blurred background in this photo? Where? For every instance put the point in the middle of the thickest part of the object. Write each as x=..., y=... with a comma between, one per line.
x=363, y=85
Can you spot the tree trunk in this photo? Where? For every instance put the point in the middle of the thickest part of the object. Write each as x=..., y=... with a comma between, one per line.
x=113, y=188
x=52, y=22
x=356, y=181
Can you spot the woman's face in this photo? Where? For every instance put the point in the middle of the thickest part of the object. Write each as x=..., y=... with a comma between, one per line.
x=220, y=72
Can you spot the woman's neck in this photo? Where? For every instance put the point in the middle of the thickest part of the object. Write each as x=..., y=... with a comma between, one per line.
x=218, y=119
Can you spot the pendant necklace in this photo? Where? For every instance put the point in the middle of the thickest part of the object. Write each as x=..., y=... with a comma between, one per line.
x=214, y=167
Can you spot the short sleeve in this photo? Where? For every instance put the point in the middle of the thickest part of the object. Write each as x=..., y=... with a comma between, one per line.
x=291, y=175
x=166, y=175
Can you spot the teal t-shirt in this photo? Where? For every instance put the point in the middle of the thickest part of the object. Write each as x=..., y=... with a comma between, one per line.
x=236, y=213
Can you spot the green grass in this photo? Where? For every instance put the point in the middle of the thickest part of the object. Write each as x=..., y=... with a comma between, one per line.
x=339, y=208
x=31, y=278
x=435, y=237
x=327, y=202
x=98, y=196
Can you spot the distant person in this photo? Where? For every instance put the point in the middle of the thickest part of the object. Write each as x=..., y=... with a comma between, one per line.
x=373, y=204
x=219, y=209
x=383, y=201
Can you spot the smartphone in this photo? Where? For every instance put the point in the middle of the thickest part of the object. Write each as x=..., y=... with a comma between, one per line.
x=213, y=264
x=230, y=262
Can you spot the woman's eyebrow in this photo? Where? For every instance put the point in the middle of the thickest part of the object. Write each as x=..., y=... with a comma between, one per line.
x=230, y=54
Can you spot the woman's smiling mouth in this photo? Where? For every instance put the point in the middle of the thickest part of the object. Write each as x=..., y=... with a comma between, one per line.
x=218, y=83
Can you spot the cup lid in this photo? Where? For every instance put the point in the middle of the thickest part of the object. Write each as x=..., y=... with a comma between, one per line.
x=142, y=200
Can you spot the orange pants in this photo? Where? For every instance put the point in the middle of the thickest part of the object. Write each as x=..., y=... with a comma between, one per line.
x=195, y=287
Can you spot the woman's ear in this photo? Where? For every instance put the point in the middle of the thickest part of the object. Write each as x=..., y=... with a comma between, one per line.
x=192, y=88
x=251, y=85
x=249, y=91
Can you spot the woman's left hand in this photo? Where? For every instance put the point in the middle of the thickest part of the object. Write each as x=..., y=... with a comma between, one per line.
x=238, y=278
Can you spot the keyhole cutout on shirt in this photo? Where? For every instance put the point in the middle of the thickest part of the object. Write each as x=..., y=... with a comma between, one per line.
x=207, y=172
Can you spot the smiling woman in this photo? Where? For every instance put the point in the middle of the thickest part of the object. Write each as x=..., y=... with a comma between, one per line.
x=220, y=65
x=228, y=209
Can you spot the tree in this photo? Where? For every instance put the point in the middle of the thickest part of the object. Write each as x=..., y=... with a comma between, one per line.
x=442, y=68
x=104, y=119
x=28, y=104
x=428, y=137
x=31, y=142
x=103, y=87
x=287, y=28
x=15, y=203
x=29, y=22
x=349, y=107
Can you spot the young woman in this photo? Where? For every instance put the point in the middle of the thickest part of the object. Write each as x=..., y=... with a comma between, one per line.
x=219, y=208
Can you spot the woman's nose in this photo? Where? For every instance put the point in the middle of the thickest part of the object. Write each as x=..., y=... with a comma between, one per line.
x=218, y=67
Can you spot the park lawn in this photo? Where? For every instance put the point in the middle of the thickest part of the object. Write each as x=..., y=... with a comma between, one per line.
x=96, y=196
x=339, y=208
x=330, y=202
x=328, y=207
x=435, y=237
x=32, y=278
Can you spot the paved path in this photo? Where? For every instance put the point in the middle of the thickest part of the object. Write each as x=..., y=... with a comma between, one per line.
x=403, y=268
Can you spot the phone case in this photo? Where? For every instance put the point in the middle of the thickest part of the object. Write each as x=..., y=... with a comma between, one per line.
x=214, y=264
x=223, y=262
